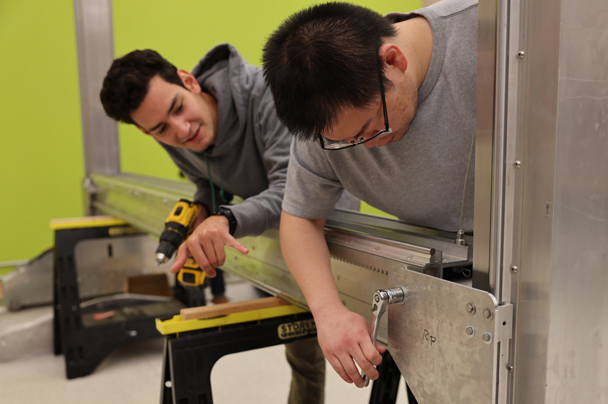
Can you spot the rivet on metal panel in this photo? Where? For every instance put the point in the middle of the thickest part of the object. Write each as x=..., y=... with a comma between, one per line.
x=517, y=164
x=487, y=313
x=514, y=269
x=521, y=55
x=487, y=337
x=510, y=368
x=471, y=309
x=470, y=330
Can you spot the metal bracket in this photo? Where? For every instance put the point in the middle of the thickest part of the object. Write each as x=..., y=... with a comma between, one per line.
x=504, y=323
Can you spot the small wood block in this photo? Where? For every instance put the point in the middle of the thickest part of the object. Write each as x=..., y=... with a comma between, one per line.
x=151, y=284
x=197, y=313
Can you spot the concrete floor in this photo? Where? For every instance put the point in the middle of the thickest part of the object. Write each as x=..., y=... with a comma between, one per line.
x=132, y=374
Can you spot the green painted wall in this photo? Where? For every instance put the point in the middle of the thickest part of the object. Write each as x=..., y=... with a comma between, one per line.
x=42, y=166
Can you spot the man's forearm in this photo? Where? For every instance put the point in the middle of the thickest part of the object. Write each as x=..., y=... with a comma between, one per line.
x=305, y=251
x=343, y=335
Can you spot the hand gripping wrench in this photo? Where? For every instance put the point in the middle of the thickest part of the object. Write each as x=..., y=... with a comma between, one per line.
x=380, y=301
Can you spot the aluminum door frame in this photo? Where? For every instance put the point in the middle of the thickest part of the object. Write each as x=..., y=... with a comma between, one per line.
x=95, y=40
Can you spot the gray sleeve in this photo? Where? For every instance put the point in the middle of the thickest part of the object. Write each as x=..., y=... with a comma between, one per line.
x=263, y=211
x=312, y=188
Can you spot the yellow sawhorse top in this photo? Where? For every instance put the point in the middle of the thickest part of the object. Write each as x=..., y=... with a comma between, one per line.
x=82, y=222
x=176, y=325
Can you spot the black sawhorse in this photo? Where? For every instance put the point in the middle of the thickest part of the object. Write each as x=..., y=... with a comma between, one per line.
x=190, y=356
x=85, y=345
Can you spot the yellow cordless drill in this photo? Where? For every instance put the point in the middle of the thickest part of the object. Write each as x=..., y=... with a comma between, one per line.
x=178, y=227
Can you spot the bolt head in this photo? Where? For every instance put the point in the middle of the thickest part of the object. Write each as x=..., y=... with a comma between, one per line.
x=521, y=55
x=514, y=269
x=487, y=313
x=487, y=337
x=471, y=309
x=517, y=164
x=470, y=331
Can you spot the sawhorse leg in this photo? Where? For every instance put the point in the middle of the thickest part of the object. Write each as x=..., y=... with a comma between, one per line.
x=384, y=390
x=190, y=356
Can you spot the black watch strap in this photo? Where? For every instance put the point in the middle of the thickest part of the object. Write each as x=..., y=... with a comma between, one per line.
x=231, y=219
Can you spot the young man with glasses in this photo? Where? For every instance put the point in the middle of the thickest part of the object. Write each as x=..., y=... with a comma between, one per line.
x=383, y=108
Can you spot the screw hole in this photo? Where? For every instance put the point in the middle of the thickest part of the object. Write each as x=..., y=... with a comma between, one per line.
x=504, y=323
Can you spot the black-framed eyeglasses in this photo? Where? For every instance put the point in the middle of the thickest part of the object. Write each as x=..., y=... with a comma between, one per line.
x=328, y=144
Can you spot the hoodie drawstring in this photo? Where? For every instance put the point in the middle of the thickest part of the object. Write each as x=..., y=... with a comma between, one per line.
x=214, y=206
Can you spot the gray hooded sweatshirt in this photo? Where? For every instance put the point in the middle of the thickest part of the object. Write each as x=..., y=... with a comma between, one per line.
x=250, y=156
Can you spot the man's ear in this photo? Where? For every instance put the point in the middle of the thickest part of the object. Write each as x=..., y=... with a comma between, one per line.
x=143, y=130
x=393, y=56
x=189, y=81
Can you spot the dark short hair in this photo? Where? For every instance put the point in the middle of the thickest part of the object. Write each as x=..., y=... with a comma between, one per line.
x=126, y=83
x=322, y=60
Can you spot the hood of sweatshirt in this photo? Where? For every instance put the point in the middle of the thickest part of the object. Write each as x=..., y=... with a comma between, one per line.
x=224, y=74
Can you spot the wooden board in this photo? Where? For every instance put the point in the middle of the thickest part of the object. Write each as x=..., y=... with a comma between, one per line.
x=196, y=313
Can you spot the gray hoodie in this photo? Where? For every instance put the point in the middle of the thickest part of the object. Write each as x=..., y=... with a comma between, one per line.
x=250, y=156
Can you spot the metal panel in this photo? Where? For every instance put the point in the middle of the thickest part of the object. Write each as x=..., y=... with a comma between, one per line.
x=103, y=265
x=562, y=330
x=444, y=339
x=533, y=326
x=93, y=20
x=578, y=331
x=360, y=266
